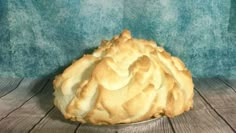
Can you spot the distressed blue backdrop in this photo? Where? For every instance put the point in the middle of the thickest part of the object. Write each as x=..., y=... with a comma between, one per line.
x=40, y=38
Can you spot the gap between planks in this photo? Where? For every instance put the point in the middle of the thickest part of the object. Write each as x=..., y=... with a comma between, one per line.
x=28, y=108
x=23, y=102
x=13, y=87
x=198, y=90
x=46, y=114
x=229, y=84
x=216, y=111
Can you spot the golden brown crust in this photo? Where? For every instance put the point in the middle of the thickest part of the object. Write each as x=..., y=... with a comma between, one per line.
x=125, y=80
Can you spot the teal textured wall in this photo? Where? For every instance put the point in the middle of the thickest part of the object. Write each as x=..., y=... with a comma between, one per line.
x=40, y=38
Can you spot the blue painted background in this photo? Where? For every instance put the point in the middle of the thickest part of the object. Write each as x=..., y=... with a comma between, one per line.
x=40, y=38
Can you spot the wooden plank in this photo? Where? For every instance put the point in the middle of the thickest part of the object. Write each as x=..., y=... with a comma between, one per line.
x=217, y=93
x=230, y=115
x=25, y=117
x=200, y=121
x=15, y=99
x=230, y=82
x=55, y=122
x=7, y=85
x=218, y=96
x=158, y=125
x=198, y=102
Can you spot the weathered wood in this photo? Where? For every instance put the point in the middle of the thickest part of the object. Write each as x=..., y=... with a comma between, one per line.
x=25, y=117
x=55, y=122
x=200, y=121
x=25, y=91
x=7, y=85
x=230, y=115
x=230, y=82
x=217, y=93
x=198, y=102
x=155, y=126
x=219, y=96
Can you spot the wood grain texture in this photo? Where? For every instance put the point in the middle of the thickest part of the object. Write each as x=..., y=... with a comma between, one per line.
x=218, y=96
x=55, y=122
x=25, y=117
x=230, y=115
x=159, y=125
x=216, y=92
x=7, y=85
x=230, y=82
x=200, y=121
x=198, y=102
x=25, y=91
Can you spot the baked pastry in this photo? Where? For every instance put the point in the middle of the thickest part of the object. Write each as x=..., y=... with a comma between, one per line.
x=124, y=80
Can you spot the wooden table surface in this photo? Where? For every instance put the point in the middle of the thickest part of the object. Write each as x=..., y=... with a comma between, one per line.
x=26, y=106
